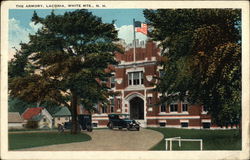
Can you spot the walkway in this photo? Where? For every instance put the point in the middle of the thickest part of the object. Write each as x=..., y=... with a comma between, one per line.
x=110, y=140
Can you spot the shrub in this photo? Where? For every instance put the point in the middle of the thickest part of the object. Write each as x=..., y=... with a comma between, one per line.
x=32, y=125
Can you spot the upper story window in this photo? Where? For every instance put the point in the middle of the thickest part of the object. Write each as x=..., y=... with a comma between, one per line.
x=135, y=78
x=184, y=107
x=112, y=82
x=112, y=104
x=205, y=108
x=173, y=107
x=103, y=109
x=119, y=103
x=163, y=107
x=149, y=100
x=161, y=73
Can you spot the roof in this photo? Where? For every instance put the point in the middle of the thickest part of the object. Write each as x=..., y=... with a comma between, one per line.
x=14, y=117
x=30, y=112
x=37, y=117
x=64, y=111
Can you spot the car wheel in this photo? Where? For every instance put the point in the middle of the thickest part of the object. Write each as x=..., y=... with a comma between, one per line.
x=137, y=128
x=111, y=126
x=128, y=127
x=89, y=129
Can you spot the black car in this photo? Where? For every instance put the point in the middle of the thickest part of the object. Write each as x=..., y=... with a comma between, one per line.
x=84, y=123
x=122, y=121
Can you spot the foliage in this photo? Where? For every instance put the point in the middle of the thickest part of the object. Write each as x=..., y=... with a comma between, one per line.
x=17, y=105
x=202, y=58
x=212, y=139
x=67, y=56
x=28, y=140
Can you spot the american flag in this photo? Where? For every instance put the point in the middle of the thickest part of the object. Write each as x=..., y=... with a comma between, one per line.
x=141, y=27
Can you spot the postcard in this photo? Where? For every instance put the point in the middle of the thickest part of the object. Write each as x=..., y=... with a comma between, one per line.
x=125, y=80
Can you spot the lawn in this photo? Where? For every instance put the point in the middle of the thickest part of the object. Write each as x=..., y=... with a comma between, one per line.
x=28, y=140
x=212, y=139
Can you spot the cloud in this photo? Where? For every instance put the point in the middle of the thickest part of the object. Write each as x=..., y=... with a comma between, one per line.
x=35, y=27
x=126, y=32
x=18, y=34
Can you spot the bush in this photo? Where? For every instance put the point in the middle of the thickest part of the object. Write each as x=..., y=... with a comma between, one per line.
x=32, y=125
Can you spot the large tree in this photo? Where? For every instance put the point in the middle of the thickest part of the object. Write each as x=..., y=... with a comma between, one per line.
x=201, y=51
x=65, y=60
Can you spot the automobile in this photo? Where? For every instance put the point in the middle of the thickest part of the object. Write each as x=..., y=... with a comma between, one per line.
x=84, y=123
x=122, y=121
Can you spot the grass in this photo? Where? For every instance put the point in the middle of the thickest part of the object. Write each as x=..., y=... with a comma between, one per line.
x=212, y=139
x=28, y=140
x=38, y=129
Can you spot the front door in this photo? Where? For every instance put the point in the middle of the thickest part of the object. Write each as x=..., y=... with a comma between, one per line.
x=136, y=108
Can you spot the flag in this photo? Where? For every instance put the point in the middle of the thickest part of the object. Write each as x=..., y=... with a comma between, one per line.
x=141, y=27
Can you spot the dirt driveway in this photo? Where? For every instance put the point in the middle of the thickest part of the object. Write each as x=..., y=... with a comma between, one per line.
x=110, y=140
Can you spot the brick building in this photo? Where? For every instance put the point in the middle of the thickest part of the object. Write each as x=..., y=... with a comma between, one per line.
x=133, y=81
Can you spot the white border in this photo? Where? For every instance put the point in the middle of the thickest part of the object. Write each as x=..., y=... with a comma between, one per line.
x=244, y=154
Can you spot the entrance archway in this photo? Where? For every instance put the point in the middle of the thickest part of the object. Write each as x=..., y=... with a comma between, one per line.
x=136, y=108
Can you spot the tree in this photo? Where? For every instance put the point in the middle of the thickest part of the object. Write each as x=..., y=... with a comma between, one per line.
x=67, y=57
x=201, y=51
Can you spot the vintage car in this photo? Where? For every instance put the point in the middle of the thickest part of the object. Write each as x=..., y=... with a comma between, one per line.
x=84, y=123
x=122, y=121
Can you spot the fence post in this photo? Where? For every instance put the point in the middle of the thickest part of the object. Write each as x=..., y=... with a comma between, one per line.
x=201, y=143
x=179, y=142
x=170, y=147
x=166, y=144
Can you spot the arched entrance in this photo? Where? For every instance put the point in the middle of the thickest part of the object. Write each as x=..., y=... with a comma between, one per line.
x=136, y=108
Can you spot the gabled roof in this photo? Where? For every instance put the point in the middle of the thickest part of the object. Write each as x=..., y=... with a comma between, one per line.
x=30, y=112
x=64, y=111
x=37, y=117
x=14, y=117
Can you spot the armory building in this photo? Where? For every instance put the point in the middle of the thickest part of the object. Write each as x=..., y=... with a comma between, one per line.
x=133, y=80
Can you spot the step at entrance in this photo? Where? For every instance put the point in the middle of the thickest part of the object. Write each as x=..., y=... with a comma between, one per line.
x=143, y=123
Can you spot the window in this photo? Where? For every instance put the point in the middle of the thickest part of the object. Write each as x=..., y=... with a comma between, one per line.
x=162, y=124
x=44, y=120
x=112, y=103
x=163, y=108
x=173, y=107
x=112, y=82
x=130, y=78
x=119, y=103
x=149, y=100
x=184, y=124
x=135, y=78
x=205, y=108
x=66, y=118
x=161, y=73
x=184, y=107
x=111, y=108
x=206, y=125
x=104, y=109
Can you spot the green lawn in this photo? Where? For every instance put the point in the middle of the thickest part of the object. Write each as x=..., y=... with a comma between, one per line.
x=212, y=139
x=28, y=140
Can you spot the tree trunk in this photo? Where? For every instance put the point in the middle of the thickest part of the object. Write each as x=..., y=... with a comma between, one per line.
x=74, y=113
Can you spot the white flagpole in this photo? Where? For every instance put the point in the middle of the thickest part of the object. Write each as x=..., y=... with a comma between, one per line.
x=134, y=39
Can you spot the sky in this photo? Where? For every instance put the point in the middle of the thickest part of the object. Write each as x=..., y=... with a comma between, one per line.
x=20, y=25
